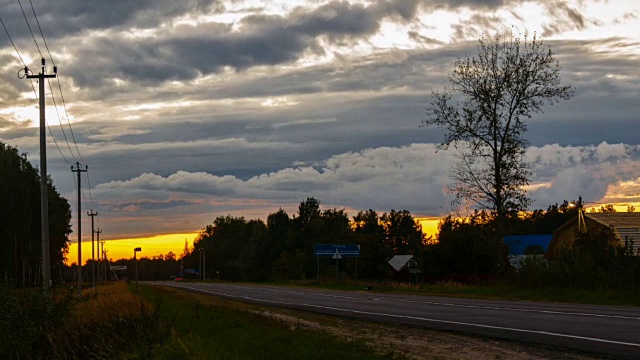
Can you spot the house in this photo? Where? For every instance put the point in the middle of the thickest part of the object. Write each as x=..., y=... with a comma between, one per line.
x=522, y=246
x=624, y=226
x=404, y=267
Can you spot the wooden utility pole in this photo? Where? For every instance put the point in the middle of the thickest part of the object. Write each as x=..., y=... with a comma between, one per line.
x=44, y=196
x=79, y=170
x=93, y=252
x=100, y=253
x=98, y=243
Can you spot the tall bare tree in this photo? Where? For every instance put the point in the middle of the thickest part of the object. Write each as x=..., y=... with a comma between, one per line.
x=483, y=115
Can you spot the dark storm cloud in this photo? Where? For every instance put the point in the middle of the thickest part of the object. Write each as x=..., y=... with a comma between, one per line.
x=336, y=20
x=65, y=17
x=187, y=52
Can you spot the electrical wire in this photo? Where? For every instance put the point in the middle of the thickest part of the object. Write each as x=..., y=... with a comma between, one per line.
x=64, y=104
x=12, y=43
x=31, y=31
x=53, y=98
x=56, y=142
x=41, y=33
x=60, y=121
x=35, y=93
x=93, y=205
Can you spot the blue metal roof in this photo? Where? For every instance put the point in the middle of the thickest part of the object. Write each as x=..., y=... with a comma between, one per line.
x=518, y=243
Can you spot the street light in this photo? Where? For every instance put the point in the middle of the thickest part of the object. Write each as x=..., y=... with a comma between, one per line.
x=135, y=260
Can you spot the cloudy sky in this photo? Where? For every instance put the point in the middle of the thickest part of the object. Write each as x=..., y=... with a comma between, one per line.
x=187, y=110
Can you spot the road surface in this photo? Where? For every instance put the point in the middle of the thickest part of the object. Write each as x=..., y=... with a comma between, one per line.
x=613, y=330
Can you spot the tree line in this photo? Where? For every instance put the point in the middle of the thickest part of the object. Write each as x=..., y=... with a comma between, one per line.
x=283, y=246
x=20, y=233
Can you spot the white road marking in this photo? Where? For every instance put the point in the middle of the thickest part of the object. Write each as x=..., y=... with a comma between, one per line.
x=519, y=309
x=553, y=312
x=421, y=318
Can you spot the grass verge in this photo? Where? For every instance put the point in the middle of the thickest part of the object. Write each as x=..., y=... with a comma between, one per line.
x=205, y=327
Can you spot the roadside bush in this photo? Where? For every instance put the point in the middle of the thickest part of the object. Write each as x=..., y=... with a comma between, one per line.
x=27, y=316
x=114, y=323
x=64, y=326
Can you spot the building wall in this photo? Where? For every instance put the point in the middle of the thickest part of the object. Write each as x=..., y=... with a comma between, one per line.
x=566, y=236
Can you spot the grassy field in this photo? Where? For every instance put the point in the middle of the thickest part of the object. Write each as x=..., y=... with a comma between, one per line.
x=204, y=327
x=491, y=291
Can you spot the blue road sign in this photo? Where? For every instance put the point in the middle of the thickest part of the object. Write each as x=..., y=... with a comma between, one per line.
x=191, y=271
x=345, y=250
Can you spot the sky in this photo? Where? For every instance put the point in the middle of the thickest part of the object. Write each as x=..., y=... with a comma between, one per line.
x=189, y=110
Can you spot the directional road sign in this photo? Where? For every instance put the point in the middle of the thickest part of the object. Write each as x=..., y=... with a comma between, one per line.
x=345, y=250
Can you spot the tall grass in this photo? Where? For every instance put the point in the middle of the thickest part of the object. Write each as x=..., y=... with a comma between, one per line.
x=63, y=325
x=113, y=322
x=26, y=316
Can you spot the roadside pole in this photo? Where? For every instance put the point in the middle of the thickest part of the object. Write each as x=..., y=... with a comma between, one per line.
x=337, y=256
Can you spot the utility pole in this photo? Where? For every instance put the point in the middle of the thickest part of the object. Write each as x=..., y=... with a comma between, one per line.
x=98, y=232
x=93, y=254
x=44, y=196
x=103, y=275
x=79, y=170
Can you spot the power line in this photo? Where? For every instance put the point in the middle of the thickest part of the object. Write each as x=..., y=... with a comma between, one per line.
x=12, y=43
x=51, y=92
x=31, y=31
x=41, y=33
x=60, y=121
x=36, y=94
x=90, y=195
x=59, y=86
x=64, y=105
x=19, y=56
x=55, y=142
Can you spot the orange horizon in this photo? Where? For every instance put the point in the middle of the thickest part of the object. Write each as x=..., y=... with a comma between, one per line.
x=154, y=245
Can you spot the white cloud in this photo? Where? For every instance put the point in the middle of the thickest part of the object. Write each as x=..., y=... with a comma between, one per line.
x=410, y=177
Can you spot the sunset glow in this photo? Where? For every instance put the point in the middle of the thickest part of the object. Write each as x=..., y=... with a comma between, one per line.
x=240, y=108
x=123, y=248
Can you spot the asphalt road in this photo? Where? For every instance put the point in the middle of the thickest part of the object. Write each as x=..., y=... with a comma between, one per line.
x=613, y=330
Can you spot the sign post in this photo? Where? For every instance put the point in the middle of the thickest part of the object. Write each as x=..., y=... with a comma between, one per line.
x=337, y=256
